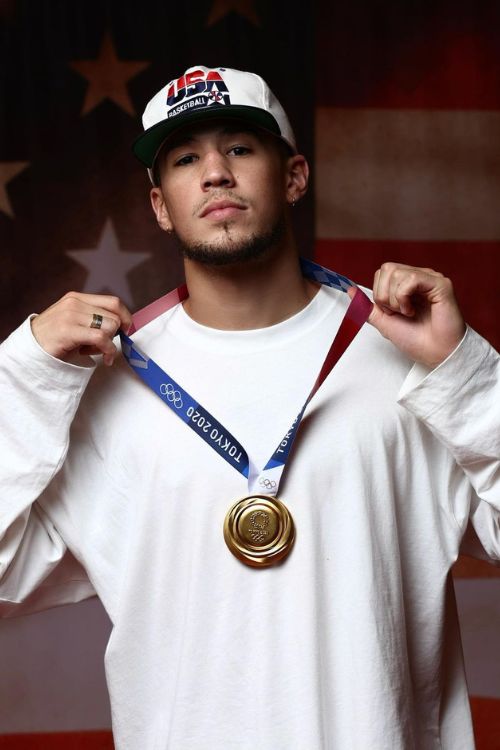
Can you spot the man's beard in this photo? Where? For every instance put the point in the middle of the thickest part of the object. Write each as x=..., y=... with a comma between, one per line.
x=230, y=252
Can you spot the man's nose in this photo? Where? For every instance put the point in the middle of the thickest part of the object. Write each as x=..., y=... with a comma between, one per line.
x=217, y=171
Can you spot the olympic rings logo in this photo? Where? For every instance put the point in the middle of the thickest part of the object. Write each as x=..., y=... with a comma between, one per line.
x=168, y=390
x=269, y=484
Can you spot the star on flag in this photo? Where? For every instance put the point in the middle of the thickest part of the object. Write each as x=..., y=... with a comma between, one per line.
x=108, y=265
x=222, y=8
x=107, y=77
x=9, y=170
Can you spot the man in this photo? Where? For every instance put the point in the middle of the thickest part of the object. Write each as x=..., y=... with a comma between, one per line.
x=346, y=638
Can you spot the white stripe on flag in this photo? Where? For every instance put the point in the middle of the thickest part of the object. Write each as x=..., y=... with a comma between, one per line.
x=407, y=174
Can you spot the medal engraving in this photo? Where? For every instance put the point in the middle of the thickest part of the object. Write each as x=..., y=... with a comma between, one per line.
x=259, y=530
x=256, y=529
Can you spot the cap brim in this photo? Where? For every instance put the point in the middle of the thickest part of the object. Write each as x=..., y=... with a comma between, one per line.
x=147, y=145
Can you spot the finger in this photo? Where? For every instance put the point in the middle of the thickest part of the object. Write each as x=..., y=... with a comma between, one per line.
x=400, y=294
x=399, y=284
x=376, y=280
x=432, y=272
x=409, y=286
x=80, y=312
x=108, y=305
x=108, y=358
x=94, y=341
x=402, y=299
x=108, y=323
x=374, y=315
x=377, y=318
x=382, y=292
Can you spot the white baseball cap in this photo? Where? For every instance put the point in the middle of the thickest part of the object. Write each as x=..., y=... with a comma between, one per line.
x=203, y=93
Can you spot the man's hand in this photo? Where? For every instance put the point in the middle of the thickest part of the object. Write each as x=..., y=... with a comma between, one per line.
x=416, y=309
x=64, y=331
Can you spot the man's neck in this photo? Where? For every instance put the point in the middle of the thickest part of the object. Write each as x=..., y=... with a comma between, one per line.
x=253, y=294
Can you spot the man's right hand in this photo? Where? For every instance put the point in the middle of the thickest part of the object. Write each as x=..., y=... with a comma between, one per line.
x=64, y=330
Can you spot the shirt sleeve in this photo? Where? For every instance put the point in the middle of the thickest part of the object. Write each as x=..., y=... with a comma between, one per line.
x=460, y=403
x=39, y=398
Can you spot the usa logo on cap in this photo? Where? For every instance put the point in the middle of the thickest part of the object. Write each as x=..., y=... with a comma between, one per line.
x=202, y=93
x=196, y=88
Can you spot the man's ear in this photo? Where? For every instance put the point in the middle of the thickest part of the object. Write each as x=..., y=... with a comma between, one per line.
x=160, y=209
x=297, y=178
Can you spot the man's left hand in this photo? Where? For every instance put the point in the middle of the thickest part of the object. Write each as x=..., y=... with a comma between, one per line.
x=416, y=309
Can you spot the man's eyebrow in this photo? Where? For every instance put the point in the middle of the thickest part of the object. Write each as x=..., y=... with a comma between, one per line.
x=177, y=142
x=186, y=138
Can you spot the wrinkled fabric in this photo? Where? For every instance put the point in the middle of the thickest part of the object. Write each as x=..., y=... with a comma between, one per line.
x=352, y=642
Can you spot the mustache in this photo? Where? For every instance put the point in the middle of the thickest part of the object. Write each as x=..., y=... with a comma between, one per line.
x=219, y=195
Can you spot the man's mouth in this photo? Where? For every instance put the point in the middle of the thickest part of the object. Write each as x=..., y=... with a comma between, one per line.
x=222, y=209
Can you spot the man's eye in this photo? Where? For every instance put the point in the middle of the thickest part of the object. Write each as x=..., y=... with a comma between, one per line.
x=239, y=150
x=186, y=159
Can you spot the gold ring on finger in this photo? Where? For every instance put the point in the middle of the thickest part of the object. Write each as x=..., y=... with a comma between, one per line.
x=96, y=320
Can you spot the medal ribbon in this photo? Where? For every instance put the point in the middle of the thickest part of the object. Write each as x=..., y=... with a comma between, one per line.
x=201, y=421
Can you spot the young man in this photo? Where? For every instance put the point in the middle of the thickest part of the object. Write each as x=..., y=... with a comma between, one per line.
x=227, y=632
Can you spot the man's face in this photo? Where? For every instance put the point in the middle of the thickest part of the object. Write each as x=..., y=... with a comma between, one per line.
x=223, y=191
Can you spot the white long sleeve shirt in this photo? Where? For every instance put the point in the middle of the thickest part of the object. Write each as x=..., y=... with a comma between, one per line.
x=352, y=642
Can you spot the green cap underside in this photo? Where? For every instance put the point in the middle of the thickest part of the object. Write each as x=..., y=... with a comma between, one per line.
x=146, y=146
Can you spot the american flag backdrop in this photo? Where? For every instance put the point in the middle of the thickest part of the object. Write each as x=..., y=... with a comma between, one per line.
x=397, y=105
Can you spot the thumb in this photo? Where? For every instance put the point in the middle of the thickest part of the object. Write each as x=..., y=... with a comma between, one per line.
x=379, y=318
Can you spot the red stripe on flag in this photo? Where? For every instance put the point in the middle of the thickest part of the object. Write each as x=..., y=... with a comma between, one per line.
x=434, y=56
x=474, y=268
x=486, y=717
x=485, y=714
x=58, y=741
x=469, y=567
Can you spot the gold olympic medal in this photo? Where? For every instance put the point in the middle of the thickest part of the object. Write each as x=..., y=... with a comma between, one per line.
x=259, y=530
